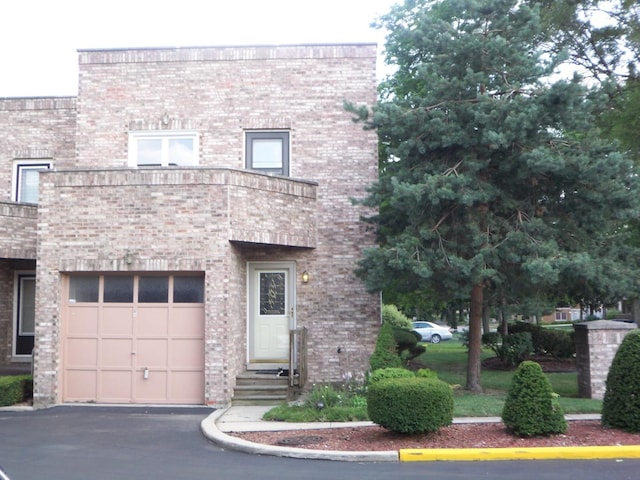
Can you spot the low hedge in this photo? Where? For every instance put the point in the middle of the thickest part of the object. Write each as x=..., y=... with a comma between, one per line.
x=15, y=389
x=410, y=405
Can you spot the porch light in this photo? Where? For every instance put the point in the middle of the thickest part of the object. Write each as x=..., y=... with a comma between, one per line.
x=305, y=277
x=128, y=257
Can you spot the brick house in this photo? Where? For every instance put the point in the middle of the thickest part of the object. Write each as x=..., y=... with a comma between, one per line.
x=185, y=219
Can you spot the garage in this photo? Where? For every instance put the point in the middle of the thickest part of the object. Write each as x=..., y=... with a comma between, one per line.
x=131, y=338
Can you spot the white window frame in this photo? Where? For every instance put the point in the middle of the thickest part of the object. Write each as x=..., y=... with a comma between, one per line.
x=21, y=165
x=285, y=135
x=164, y=136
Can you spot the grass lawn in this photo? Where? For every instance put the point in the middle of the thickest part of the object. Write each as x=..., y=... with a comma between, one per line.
x=449, y=360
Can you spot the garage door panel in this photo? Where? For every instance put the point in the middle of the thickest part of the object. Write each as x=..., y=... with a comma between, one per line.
x=116, y=352
x=153, y=389
x=152, y=352
x=152, y=321
x=185, y=353
x=187, y=322
x=83, y=321
x=81, y=385
x=115, y=386
x=117, y=321
x=82, y=352
x=185, y=387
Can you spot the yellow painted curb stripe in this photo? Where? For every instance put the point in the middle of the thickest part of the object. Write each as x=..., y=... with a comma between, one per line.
x=533, y=453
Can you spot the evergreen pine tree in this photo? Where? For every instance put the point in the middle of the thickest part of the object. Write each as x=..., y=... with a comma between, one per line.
x=492, y=176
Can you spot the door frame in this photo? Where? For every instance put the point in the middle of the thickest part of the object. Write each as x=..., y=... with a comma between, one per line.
x=18, y=296
x=252, y=269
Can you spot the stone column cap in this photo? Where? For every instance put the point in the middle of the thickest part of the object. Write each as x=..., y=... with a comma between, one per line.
x=606, y=325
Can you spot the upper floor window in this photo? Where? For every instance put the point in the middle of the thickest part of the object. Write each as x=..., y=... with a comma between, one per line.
x=163, y=148
x=268, y=151
x=26, y=179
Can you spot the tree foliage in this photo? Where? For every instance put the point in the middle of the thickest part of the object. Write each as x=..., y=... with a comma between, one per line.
x=496, y=176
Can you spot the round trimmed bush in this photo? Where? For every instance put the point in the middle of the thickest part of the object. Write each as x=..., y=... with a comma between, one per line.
x=410, y=405
x=531, y=408
x=621, y=404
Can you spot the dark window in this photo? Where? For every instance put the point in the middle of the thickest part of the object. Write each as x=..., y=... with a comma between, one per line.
x=118, y=289
x=84, y=288
x=188, y=289
x=268, y=152
x=153, y=290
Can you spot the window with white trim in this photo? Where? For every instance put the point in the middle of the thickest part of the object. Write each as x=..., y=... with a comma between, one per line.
x=267, y=151
x=160, y=148
x=26, y=179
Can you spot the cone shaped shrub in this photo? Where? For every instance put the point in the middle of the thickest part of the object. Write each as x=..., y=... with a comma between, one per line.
x=531, y=408
x=385, y=354
x=621, y=404
x=410, y=405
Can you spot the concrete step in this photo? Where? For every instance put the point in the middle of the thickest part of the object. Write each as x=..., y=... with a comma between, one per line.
x=260, y=389
x=246, y=390
x=262, y=380
x=258, y=400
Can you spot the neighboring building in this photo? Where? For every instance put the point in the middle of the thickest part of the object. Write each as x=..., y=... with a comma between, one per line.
x=154, y=231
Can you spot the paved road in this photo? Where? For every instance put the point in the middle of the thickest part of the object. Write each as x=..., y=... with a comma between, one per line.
x=96, y=443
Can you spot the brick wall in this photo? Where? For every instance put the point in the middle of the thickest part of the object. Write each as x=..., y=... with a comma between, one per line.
x=35, y=128
x=18, y=223
x=213, y=218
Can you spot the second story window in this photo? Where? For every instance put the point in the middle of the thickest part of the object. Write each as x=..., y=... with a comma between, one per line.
x=267, y=151
x=26, y=179
x=163, y=148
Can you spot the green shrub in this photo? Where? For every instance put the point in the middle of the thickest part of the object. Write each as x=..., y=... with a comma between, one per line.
x=531, y=408
x=511, y=349
x=621, y=404
x=385, y=373
x=385, y=354
x=410, y=405
x=516, y=348
x=558, y=343
x=426, y=373
x=325, y=395
x=14, y=389
x=407, y=344
x=391, y=314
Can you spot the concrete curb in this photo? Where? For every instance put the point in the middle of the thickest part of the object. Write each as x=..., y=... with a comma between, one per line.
x=212, y=432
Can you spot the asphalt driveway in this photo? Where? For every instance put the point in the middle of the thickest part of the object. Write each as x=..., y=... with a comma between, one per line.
x=100, y=443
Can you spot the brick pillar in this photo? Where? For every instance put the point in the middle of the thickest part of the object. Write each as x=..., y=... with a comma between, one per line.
x=596, y=344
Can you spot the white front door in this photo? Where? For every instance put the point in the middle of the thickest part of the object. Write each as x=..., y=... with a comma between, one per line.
x=270, y=312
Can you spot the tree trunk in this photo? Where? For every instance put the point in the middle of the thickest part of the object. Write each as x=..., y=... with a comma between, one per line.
x=635, y=310
x=486, y=327
x=475, y=339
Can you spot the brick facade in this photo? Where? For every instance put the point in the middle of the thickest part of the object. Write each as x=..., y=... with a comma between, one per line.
x=216, y=217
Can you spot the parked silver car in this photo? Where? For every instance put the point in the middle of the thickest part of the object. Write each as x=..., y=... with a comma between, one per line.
x=430, y=332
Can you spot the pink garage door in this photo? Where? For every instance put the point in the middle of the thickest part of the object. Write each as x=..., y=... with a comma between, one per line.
x=134, y=339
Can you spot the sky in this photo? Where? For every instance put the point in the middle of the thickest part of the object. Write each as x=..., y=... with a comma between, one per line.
x=39, y=39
